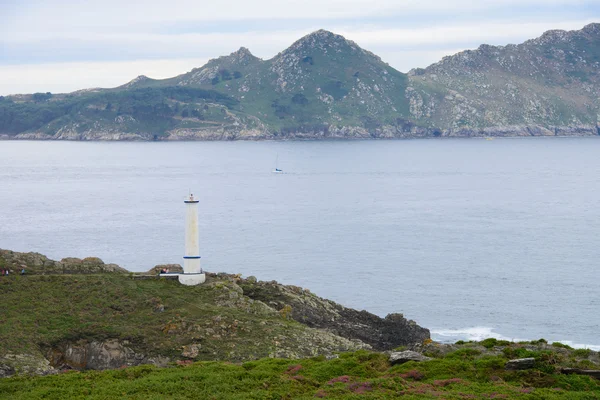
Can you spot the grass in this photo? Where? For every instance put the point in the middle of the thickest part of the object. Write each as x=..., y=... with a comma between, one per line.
x=353, y=375
x=43, y=312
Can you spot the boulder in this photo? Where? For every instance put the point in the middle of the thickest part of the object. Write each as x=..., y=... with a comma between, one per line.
x=400, y=357
x=520, y=363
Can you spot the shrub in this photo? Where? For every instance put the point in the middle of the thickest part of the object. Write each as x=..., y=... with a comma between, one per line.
x=519, y=352
x=562, y=345
x=489, y=343
x=286, y=311
x=299, y=98
x=585, y=353
x=464, y=354
x=539, y=341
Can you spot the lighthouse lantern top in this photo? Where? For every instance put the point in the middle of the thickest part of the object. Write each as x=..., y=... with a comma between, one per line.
x=191, y=199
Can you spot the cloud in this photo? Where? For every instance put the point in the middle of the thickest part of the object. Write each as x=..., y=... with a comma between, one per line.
x=41, y=34
x=64, y=46
x=503, y=33
x=68, y=77
x=117, y=13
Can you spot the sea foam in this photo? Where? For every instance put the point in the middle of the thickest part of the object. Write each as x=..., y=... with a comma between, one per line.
x=479, y=333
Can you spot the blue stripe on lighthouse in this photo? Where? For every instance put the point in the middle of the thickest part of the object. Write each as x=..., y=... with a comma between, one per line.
x=191, y=257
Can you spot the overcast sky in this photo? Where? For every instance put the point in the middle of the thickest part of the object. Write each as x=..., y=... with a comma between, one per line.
x=62, y=45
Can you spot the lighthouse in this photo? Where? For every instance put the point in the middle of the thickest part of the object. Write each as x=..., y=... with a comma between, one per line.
x=192, y=272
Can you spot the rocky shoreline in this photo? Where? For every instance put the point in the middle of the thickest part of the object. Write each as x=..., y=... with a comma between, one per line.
x=331, y=133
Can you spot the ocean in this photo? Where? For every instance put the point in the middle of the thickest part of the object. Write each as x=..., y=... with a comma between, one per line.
x=471, y=238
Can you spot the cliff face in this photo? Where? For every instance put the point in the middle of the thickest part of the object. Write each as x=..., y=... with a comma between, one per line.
x=84, y=314
x=324, y=86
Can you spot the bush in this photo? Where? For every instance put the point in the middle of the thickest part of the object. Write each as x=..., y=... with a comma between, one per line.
x=585, y=353
x=299, y=98
x=562, y=345
x=464, y=354
x=519, y=352
x=489, y=343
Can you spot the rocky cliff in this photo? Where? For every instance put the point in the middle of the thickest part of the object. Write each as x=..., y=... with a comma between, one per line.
x=543, y=87
x=84, y=314
x=325, y=86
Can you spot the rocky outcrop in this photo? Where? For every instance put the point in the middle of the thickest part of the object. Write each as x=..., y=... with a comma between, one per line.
x=30, y=364
x=109, y=322
x=401, y=357
x=381, y=333
x=38, y=264
x=98, y=355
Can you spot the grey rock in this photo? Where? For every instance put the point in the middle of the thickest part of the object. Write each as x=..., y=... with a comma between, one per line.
x=594, y=373
x=191, y=350
x=38, y=264
x=98, y=355
x=406, y=356
x=520, y=363
x=381, y=333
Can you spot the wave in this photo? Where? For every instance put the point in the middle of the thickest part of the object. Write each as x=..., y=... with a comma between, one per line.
x=476, y=333
x=479, y=333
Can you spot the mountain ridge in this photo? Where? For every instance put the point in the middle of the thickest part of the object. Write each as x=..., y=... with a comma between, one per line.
x=325, y=86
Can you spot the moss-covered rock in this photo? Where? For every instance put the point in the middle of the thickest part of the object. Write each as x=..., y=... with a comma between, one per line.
x=39, y=264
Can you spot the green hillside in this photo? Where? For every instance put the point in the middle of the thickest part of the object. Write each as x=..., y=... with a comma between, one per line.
x=84, y=314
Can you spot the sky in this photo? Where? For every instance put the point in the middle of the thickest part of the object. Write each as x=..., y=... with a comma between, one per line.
x=65, y=45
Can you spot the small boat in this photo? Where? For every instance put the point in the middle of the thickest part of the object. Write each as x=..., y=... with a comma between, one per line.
x=277, y=170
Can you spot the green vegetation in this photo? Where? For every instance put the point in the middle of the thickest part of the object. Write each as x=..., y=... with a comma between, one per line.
x=352, y=375
x=492, y=342
x=155, y=317
x=221, y=340
x=152, y=110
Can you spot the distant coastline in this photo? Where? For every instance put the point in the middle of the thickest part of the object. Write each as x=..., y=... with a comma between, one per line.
x=338, y=133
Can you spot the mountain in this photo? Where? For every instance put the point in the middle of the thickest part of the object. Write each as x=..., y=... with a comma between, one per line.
x=326, y=86
x=319, y=81
x=549, y=85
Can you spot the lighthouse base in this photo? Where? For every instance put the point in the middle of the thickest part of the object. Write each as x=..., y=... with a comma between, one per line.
x=192, y=279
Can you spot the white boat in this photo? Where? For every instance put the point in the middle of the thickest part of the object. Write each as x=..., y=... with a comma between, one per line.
x=276, y=170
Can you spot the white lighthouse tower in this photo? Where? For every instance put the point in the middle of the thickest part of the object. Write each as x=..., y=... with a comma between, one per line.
x=192, y=273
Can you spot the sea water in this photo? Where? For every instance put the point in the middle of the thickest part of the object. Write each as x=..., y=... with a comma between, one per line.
x=471, y=238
